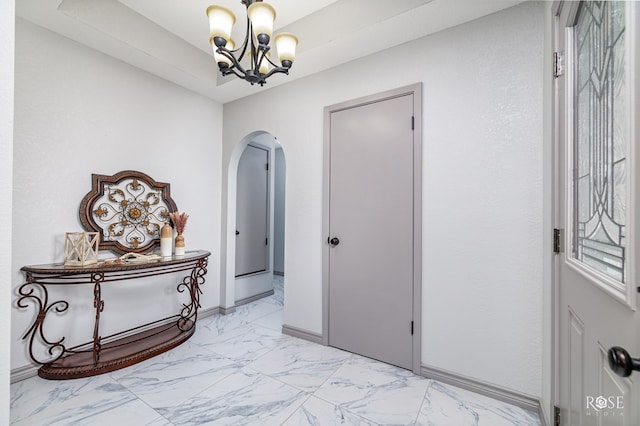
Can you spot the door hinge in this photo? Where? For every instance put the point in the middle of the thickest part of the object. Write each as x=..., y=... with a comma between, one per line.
x=558, y=64
x=412, y=328
x=557, y=240
x=413, y=122
x=266, y=241
x=266, y=166
x=556, y=415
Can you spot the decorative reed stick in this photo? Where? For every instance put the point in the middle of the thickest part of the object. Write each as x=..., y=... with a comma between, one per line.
x=179, y=220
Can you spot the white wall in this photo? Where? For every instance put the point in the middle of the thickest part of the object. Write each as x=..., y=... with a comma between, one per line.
x=7, y=39
x=79, y=112
x=482, y=200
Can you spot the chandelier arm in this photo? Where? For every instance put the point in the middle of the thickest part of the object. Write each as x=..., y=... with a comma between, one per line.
x=227, y=55
x=262, y=53
x=236, y=64
x=245, y=43
x=283, y=70
x=273, y=63
x=234, y=72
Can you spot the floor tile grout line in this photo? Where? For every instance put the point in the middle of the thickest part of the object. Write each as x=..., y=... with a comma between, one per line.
x=295, y=386
x=271, y=329
x=141, y=400
x=342, y=407
x=344, y=361
x=240, y=367
x=354, y=357
x=296, y=410
x=247, y=362
x=424, y=398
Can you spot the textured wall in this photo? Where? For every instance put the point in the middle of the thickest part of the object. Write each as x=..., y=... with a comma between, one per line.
x=79, y=112
x=483, y=213
x=7, y=37
x=482, y=193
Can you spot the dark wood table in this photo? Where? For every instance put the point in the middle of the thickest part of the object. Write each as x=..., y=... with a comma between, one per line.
x=105, y=354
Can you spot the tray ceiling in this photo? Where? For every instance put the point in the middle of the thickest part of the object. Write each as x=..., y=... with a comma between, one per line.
x=169, y=38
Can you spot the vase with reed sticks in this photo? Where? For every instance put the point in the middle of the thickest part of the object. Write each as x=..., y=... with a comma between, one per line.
x=180, y=221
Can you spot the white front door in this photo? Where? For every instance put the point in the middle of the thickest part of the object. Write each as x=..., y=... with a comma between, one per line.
x=598, y=204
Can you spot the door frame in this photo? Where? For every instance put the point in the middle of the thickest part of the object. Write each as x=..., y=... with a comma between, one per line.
x=416, y=91
x=560, y=176
x=557, y=124
x=228, y=241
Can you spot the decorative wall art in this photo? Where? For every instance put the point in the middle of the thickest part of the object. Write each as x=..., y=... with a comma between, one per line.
x=128, y=210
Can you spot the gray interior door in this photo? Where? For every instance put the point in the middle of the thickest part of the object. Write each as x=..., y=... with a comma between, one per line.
x=252, y=207
x=371, y=215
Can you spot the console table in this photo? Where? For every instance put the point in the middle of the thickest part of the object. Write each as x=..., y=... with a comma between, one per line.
x=105, y=354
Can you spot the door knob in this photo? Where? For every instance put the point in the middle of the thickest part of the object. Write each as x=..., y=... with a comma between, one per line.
x=237, y=232
x=621, y=362
x=334, y=241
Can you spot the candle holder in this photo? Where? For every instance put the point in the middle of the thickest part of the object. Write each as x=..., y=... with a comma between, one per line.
x=81, y=248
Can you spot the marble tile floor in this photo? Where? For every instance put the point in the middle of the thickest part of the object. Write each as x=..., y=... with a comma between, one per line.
x=240, y=369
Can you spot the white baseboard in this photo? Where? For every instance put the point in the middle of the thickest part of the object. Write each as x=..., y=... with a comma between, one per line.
x=227, y=311
x=546, y=421
x=209, y=312
x=496, y=392
x=302, y=334
x=24, y=372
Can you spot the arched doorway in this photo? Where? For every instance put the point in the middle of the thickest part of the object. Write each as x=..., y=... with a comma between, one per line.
x=241, y=287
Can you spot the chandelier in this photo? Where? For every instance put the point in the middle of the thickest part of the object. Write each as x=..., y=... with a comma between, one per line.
x=259, y=67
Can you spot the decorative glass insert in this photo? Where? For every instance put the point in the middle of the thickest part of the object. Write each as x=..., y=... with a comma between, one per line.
x=600, y=145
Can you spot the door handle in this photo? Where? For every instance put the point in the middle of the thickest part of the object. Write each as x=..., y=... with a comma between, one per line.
x=334, y=241
x=621, y=362
x=237, y=232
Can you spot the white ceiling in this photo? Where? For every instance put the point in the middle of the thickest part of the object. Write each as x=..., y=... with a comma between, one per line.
x=170, y=38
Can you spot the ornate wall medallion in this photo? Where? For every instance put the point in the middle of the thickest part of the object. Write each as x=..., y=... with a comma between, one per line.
x=127, y=209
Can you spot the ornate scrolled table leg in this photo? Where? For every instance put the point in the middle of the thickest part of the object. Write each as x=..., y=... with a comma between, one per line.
x=98, y=304
x=189, y=312
x=28, y=293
